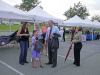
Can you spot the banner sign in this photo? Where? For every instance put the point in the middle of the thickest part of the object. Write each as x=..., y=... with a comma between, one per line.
x=5, y=40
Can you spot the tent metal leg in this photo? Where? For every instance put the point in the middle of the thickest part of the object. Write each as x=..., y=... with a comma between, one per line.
x=10, y=27
x=92, y=34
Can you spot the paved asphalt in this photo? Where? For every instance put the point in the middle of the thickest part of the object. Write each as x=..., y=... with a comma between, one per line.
x=3, y=33
x=90, y=61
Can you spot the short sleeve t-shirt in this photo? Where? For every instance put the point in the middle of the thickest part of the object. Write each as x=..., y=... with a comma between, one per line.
x=33, y=40
x=72, y=31
x=39, y=34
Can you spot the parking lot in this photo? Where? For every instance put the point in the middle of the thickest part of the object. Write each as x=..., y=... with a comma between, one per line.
x=90, y=59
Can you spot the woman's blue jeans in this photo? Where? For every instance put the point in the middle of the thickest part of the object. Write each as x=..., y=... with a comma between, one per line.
x=23, y=53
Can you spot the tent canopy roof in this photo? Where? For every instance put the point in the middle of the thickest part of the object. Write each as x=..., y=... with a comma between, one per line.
x=88, y=21
x=96, y=24
x=42, y=15
x=75, y=21
x=8, y=8
x=9, y=12
x=40, y=12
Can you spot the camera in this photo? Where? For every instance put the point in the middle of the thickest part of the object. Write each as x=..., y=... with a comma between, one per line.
x=36, y=38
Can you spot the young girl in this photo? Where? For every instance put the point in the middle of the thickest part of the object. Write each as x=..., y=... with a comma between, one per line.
x=34, y=53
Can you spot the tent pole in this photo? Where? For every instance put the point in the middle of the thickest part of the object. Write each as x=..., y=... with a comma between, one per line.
x=34, y=25
x=92, y=33
x=10, y=27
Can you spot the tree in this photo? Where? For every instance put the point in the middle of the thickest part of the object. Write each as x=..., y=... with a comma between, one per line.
x=27, y=5
x=41, y=7
x=17, y=6
x=95, y=17
x=78, y=9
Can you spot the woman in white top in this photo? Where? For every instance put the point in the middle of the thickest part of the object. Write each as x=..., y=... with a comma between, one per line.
x=39, y=30
x=61, y=33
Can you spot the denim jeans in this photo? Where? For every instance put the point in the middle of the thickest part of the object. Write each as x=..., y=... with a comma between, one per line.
x=23, y=53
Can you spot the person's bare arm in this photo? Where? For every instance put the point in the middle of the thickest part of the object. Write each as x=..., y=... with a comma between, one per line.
x=19, y=31
x=35, y=42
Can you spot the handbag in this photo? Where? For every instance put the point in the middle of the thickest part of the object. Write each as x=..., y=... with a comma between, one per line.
x=17, y=38
x=38, y=47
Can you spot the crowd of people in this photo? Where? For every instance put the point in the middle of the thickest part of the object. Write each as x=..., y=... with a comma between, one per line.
x=49, y=36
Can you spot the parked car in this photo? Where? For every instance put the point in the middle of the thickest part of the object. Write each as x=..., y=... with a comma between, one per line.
x=67, y=30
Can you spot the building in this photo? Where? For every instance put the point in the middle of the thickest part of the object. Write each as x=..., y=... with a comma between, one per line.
x=13, y=23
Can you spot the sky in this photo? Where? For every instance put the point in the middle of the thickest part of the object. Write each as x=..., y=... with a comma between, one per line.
x=58, y=7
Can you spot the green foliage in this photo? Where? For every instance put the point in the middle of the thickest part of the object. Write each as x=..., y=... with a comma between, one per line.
x=27, y=5
x=95, y=17
x=78, y=9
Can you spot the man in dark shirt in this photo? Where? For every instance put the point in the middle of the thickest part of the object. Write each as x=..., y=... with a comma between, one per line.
x=63, y=34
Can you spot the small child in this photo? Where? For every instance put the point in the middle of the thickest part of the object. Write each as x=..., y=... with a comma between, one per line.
x=34, y=53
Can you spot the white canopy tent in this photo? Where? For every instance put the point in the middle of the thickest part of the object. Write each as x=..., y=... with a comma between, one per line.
x=75, y=21
x=96, y=24
x=42, y=16
x=89, y=23
x=8, y=12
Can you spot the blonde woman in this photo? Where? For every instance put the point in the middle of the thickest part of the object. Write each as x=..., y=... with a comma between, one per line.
x=77, y=45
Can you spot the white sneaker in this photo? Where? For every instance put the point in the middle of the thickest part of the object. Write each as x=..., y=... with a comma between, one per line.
x=31, y=59
x=37, y=59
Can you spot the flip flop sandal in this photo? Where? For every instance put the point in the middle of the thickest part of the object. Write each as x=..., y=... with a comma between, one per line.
x=34, y=66
x=41, y=66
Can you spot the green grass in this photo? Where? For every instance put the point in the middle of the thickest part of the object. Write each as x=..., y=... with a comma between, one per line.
x=67, y=27
x=98, y=29
x=67, y=35
x=4, y=27
x=16, y=27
